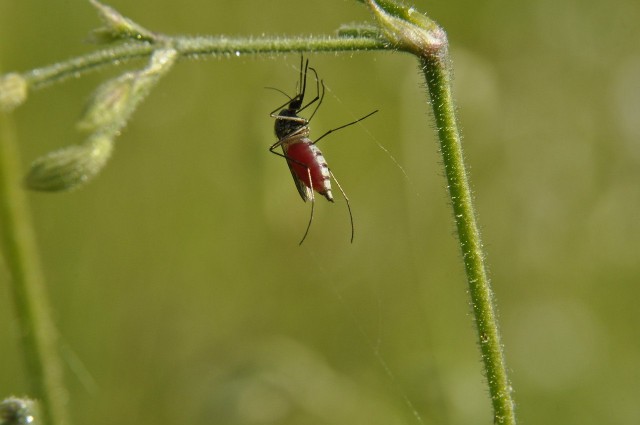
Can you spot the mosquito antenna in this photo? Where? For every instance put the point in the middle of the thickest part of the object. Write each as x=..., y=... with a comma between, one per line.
x=280, y=91
x=344, y=195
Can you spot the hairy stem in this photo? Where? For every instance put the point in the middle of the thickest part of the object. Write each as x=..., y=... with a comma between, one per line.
x=17, y=243
x=193, y=47
x=438, y=82
x=416, y=33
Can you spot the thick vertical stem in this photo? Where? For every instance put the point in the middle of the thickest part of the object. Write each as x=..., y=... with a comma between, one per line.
x=436, y=70
x=35, y=330
x=416, y=33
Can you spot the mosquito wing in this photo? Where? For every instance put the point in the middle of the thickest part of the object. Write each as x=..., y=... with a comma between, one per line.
x=305, y=192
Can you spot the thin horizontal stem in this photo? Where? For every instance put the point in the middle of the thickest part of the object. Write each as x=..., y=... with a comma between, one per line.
x=194, y=47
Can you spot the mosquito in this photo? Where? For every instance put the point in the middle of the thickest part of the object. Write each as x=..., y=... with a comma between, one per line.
x=306, y=162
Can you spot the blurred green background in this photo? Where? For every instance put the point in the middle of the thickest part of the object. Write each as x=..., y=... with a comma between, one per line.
x=176, y=280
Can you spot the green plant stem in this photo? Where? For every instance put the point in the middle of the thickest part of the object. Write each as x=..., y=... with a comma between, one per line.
x=417, y=34
x=194, y=47
x=438, y=81
x=35, y=330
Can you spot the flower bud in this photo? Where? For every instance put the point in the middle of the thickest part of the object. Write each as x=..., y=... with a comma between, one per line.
x=118, y=27
x=114, y=101
x=70, y=167
x=13, y=91
x=109, y=104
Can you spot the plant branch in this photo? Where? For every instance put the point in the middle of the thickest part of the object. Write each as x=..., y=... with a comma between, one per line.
x=193, y=47
x=35, y=329
x=415, y=33
x=482, y=302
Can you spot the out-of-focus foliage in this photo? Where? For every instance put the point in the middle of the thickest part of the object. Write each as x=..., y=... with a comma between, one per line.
x=176, y=280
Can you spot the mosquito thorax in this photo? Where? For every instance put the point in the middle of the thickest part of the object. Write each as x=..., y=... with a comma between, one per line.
x=284, y=127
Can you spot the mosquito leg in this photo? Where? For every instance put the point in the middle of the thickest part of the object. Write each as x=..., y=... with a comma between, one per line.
x=344, y=195
x=288, y=158
x=313, y=203
x=343, y=126
x=318, y=97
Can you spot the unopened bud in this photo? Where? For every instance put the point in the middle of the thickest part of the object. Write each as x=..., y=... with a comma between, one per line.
x=118, y=27
x=114, y=101
x=13, y=91
x=108, y=105
x=70, y=167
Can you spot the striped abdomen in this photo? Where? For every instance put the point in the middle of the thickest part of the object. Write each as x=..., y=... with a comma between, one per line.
x=302, y=151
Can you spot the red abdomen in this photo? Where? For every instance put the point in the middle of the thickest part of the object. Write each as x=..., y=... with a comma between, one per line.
x=303, y=152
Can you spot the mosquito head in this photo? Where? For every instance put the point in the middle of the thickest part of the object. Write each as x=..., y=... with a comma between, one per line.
x=296, y=103
x=288, y=121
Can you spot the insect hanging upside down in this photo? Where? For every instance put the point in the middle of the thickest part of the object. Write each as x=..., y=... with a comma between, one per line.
x=308, y=166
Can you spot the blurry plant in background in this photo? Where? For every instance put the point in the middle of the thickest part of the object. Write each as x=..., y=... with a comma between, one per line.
x=169, y=261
